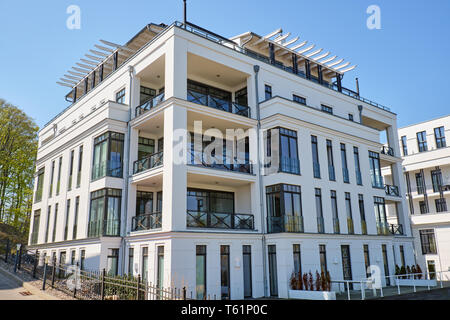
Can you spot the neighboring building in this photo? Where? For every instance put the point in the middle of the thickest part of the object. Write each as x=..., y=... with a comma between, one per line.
x=111, y=193
x=427, y=172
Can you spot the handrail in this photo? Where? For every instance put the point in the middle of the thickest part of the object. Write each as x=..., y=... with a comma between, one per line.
x=149, y=104
x=149, y=162
x=147, y=221
x=220, y=220
x=217, y=103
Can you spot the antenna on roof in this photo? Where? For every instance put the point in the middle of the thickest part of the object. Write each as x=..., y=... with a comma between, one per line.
x=185, y=14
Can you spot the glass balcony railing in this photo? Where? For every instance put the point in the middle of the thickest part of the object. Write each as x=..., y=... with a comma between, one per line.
x=336, y=226
x=290, y=165
x=392, y=190
x=105, y=228
x=147, y=221
x=358, y=177
x=149, y=104
x=320, y=225
x=220, y=220
x=350, y=226
x=331, y=173
x=149, y=162
x=107, y=169
x=377, y=182
x=316, y=169
x=217, y=103
x=345, y=175
x=285, y=223
x=363, y=227
x=382, y=228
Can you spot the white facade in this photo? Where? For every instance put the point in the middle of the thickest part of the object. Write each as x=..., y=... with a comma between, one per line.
x=165, y=63
x=427, y=171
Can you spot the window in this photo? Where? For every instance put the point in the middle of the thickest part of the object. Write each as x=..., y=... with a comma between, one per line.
x=35, y=232
x=160, y=144
x=225, y=272
x=367, y=260
x=52, y=173
x=159, y=199
x=268, y=92
x=422, y=141
x=144, y=270
x=66, y=220
x=72, y=257
x=375, y=170
x=113, y=262
x=331, y=172
x=72, y=156
x=75, y=218
x=297, y=259
x=146, y=94
x=323, y=258
x=427, y=240
x=327, y=109
x=273, y=273
x=348, y=206
x=104, y=216
x=47, y=226
x=160, y=267
x=380, y=215
x=386, y=264
x=315, y=156
x=344, y=164
x=362, y=214
x=39, y=185
x=55, y=220
x=80, y=165
x=82, y=259
x=58, y=181
x=441, y=205
x=146, y=147
x=108, y=155
x=436, y=179
x=402, y=256
x=423, y=206
x=439, y=135
x=334, y=209
x=144, y=203
x=431, y=266
x=357, y=166
x=247, y=269
x=299, y=99
x=131, y=261
x=241, y=97
x=404, y=146
x=200, y=274
x=350, y=116
x=289, y=161
x=120, y=96
x=284, y=206
x=62, y=260
x=346, y=264
x=209, y=96
x=319, y=211
x=420, y=183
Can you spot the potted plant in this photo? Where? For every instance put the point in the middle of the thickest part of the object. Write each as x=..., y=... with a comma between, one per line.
x=419, y=271
x=308, y=287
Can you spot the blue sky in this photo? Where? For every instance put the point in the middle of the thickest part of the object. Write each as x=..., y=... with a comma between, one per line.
x=404, y=65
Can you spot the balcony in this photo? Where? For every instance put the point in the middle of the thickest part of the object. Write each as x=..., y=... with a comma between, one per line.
x=383, y=229
x=105, y=228
x=147, y=221
x=150, y=104
x=217, y=103
x=331, y=173
x=396, y=229
x=392, y=190
x=198, y=159
x=219, y=220
x=149, y=162
x=350, y=226
x=320, y=225
x=285, y=223
x=387, y=151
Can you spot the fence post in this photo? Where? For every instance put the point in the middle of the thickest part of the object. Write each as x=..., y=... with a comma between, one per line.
x=414, y=284
x=137, y=286
x=102, y=288
x=45, y=276
x=20, y=257
x=398, y=284
x=36, y=260
x=53, y=272
x=184, y=293
x=348, y=290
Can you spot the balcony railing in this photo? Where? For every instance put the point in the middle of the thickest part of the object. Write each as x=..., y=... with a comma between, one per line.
x=336, y=226
x=331, y=173
x=345, y=175
x=316, y=168
x=358, y=177
x=106, y=169
x=149, y=162
x=350, y=226
x=363, y=227
x=290, y=165
x=198, y=159
x=285, y=223
x=392, y=190
x=149, y=104
x=382, y=228
x=78, y=179
x=320, y=225
x=105, y=228
x=220, y=220
x=377, y=182
x=217, y=103
x=387, y=151
x=147, y=221
x=396, y=229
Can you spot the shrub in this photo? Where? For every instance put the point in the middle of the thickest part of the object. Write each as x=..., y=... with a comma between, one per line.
x=310, y=281
x=318, y=282
x=305, y=281
x=419, y=271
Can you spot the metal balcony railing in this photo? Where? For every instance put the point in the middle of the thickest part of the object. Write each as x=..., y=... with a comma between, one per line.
x=220, y=220
x=392, y=190
x=217, y=103
x=396, y=229
x=377, y=182
x=388, y=151
x=345, y=175
x=285, y=223
x=149, y=104
x=331, y=173
x=200, y=159
x=147, y=221
x=316, y=169
x=149, y=162
x=104, y=228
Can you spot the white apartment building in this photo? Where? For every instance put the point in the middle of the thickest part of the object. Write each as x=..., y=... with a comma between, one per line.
x=426, y=165
x=111, y=193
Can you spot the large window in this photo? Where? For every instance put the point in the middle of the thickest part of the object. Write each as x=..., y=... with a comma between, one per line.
x=315, y=156
x=200, y=272
x=297, y=259
x=210, y=201
x=55, y=221
x=225, y=271
x=380, y=215
x=58, y=181
x=348, y=206
x=386, y=264
x=441, y=205
x=144, y=270
x=241, y=97
x=422, y=141
x=357, y=166
x=362, y=213
x=146, y=147
x=439, y=135
x=289, y=161
x=75, y=218
x=344, y=164
x=284, y=207
x=72, y=157
x=436, y=179
x=146, y=94
x=404, y=146
x=35, y=231
x=420, y=183
x=108, y=155
x=52, y=174
x=247, y=269
x=80, y=165
x=160, y=267
x=40, y=185
x=47, y=223
x=346, y=263
x=66, y=220
x=104, y=217
x=375, y=170
x=144, y=203
x=331, y=171
x=267, y=92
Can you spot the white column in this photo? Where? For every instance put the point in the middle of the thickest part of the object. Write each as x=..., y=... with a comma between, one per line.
x=176, y=69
